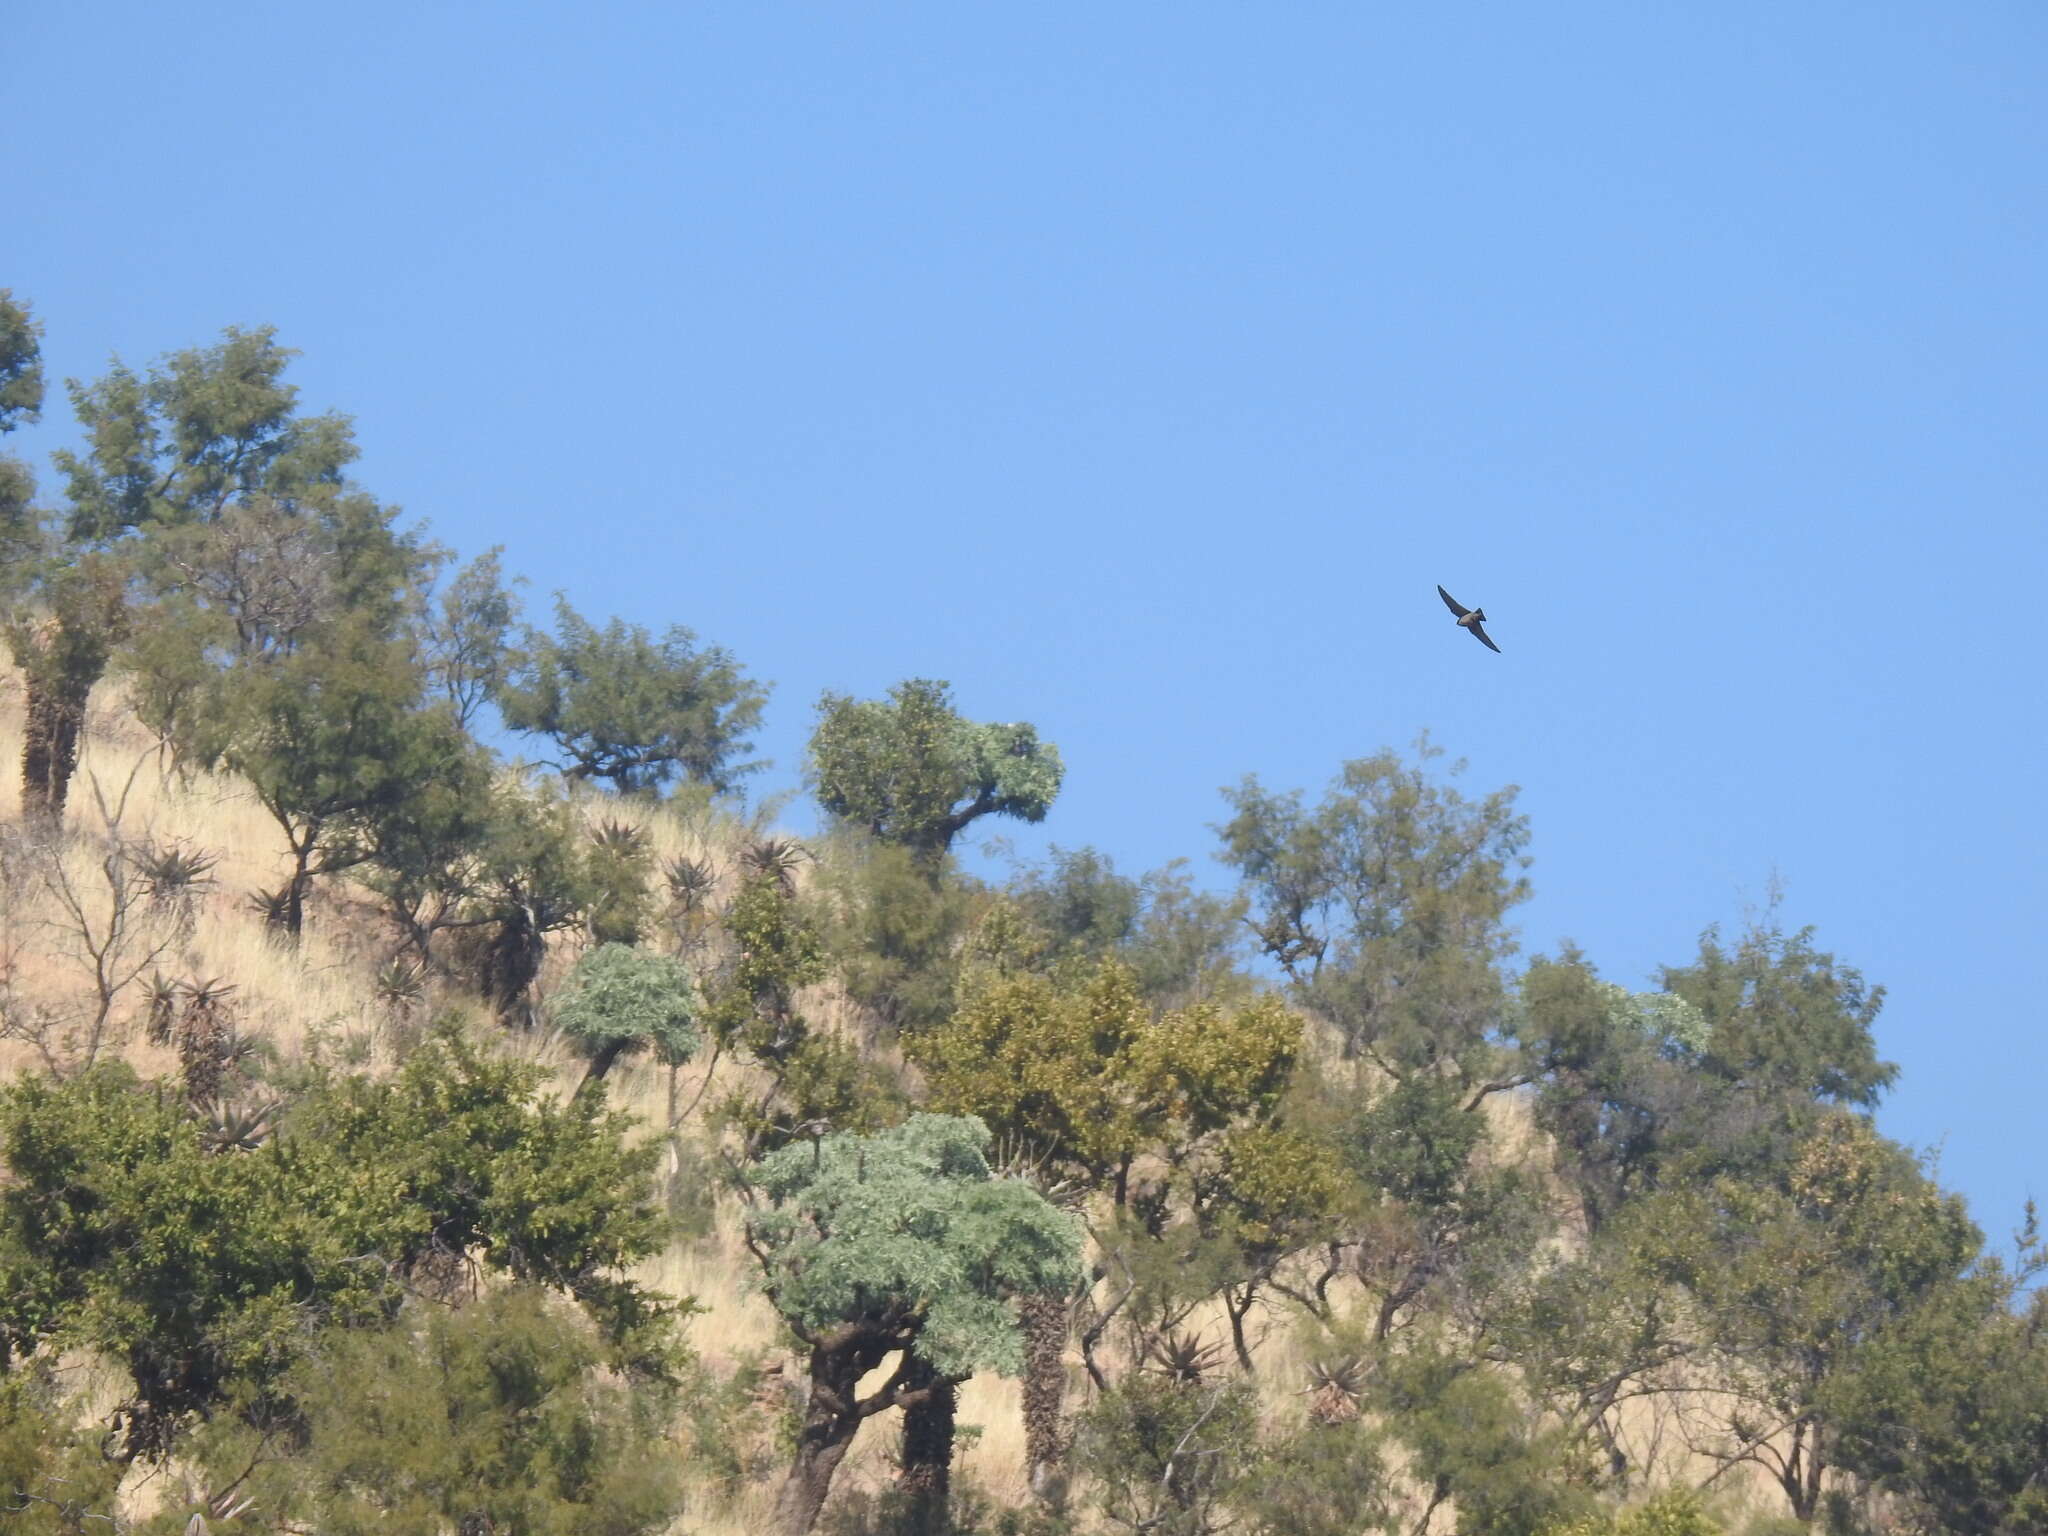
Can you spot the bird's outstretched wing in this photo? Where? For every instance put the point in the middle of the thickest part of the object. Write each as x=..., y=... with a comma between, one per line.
x=1483, y=638
x=1451, y=602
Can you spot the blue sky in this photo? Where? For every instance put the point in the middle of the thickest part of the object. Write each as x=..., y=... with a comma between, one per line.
x=1142, y=368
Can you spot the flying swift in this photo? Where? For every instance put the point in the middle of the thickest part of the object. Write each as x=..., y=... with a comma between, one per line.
x=1468, y=618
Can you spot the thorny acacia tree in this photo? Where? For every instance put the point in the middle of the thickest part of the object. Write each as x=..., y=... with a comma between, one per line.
x=630, y=709
x=1384, y=904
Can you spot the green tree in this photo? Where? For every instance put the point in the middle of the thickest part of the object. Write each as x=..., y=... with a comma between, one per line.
x=1619, y=1087
x=1086, y=1072
x=169, y=463
x=491, y=860
x=228, y=519
x=1175, y=1456
x=629, y=709
x=1788, y=1029
x=1947, y=1413
x=1182, y=944
x=21, y=363
x=1796, y=1280
x=62, y=651
x=620, y=998
x=21, y=400
x=1385, y=904
x=909, y=770
x=1079, y=1073
x=62, y=635
x=1675, y=1512
x=463, y=632
x=894, y=929
x=53, y=1479
x=330, y=738
x=206, y=427
x=199, y=1267
x=494, y=1416
x=899, y=1241
x=1472, y=1441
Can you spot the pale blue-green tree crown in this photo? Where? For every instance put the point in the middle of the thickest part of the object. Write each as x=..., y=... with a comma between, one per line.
x=618, y=994
x=911, y=1224
x=1664, y=1017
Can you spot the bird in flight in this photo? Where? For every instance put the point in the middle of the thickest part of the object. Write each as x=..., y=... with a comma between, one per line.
x=1468, y=618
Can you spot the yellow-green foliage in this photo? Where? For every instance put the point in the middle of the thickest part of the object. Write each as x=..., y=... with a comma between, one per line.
x=1676, y=1512
x=1089, y=1074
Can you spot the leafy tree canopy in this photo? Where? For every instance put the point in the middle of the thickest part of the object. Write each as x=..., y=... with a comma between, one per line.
x=910, y=770
x=197, y=1269
x=620, y=996
x=21, y=363
x=205, y=427
x=497, y=1416
x=909, y=1229
x=1385, y=905
x=1785, y=1016
x=1086, y=1074
x=21, y=399
x=630, y=709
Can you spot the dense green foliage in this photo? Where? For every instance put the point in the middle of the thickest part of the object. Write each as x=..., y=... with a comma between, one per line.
x=496, y=1416
x=125, y=1230
x=619, y=997
x=910, y=770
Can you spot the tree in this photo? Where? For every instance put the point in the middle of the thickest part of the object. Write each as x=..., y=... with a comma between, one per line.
x=1472, y=1441
x=1787, y=1029
x=62, y=638
x=1619, y=1085
x=620, y=998
x=21, y=363
x=1439, y=1221
x=1384, y=905
x=1182, y=944
x=205, y=428
x=1797, y=1280
x=899, y=1241
x=1078, y=1072
x=203, y=481
x=1948, y=1412
x=62, y=654
x=53, y=1480
x=199, y=1267
x=911, y=771
x=21, y=399
x=495, y=1416
x=330, y=737
x=1085, y=1071
x=1171, y=1455
x=629, y=709
x=894, y=927
x=462, y=631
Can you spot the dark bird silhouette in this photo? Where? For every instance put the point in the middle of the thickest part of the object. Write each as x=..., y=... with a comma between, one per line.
x=1468, y=618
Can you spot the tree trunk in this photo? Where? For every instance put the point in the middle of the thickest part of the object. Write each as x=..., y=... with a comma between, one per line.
x=305, y=842
x=928, y=1422
x=605, y=1057
x=1045, y=1321
x=832, y=1417
x=1237, y=1305
x=49, y=753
